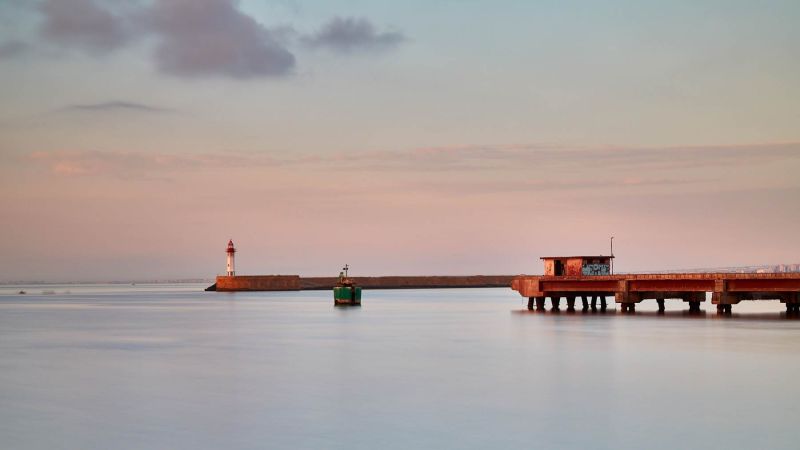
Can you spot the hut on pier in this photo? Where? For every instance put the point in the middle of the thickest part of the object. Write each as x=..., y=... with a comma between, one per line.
x=577, y=266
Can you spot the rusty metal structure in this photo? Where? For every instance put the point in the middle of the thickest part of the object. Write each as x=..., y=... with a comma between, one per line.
x=584, y=277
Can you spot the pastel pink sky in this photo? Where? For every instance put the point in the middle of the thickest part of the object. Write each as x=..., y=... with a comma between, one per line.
x=329, y=133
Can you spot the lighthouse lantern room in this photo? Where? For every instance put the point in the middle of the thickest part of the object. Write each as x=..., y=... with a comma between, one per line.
x=231, y=263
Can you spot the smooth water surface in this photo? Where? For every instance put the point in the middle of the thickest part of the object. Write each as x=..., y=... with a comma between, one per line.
x=172, y=367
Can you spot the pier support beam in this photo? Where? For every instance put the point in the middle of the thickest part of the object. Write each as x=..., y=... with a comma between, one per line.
x=556, y=301
x=603, y=304
x=594, y=303
x=584, y=303
x=540, y=303
x=530, y=303
x=627, y=299
x=723, y=298
x=660, y=305
x=694, y=306
x=571, y=303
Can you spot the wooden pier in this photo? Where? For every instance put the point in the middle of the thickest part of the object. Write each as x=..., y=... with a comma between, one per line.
x=726, y=289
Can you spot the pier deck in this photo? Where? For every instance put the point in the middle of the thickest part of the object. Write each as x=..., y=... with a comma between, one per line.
x=726, y=289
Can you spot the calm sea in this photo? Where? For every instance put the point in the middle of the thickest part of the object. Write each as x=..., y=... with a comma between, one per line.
x=172, y=367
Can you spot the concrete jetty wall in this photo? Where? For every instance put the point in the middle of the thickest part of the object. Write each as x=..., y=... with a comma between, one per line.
x=412, y=282
x=295, y=282
x=258, y=283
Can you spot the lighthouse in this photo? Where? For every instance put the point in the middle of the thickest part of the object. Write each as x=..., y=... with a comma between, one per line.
x=231, y=263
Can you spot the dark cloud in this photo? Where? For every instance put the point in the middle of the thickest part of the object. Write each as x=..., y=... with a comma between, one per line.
x=194, y=38
x=115, y=105
x=214, y=38
x=197, y=38
x=83, y=24
x=351, y=34
x=10, y=49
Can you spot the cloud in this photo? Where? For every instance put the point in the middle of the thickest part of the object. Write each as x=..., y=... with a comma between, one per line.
x=470, y=186
x=137, y=165
x=12, y=48
x=483, y=157
x=214, y=38
x=487, y=168
x=83, y=24
x=194, y=38
x=197, y=38
x=115, y=105
x=351, y=34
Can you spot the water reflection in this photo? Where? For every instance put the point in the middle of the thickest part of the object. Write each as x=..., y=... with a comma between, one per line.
x=682, y=314
x=448, y=369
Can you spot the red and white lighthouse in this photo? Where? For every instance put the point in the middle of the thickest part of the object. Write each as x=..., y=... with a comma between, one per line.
x=231, y=262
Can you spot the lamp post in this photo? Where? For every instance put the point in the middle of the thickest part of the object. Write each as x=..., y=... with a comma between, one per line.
x=612, y=255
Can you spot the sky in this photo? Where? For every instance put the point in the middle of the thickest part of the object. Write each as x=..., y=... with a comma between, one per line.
x=401, y=138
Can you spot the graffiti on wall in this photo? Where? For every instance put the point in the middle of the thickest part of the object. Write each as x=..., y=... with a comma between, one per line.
x=595, y=269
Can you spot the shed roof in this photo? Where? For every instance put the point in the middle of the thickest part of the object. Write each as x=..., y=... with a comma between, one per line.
x=574, y=257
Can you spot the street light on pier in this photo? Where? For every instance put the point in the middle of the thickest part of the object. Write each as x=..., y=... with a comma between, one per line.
x=612, y=255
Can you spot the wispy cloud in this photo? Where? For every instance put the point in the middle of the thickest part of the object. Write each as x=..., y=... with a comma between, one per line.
x=541, y=156
x=115, y=105
x=486, y=168
x=137, y=165
x=352, y=34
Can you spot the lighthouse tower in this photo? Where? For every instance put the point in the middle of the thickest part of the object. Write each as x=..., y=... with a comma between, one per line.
x=231, y=263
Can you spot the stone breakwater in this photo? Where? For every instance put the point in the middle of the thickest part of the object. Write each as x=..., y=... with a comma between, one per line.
x=297, y=283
